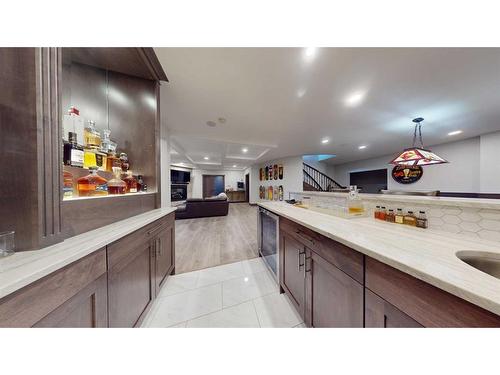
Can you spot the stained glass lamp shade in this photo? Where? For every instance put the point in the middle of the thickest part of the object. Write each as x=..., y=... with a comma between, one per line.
x=417, y=155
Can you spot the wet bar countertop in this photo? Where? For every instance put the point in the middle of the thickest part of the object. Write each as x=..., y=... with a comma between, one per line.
x=425, y=254
x=25, y=267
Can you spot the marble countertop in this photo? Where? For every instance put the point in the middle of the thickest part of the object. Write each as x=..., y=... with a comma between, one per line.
x=25, y=267
x=422, y=253
x=415, y=199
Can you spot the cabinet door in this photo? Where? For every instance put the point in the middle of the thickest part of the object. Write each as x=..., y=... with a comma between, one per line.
x=87, y=309
x=164, y=254
x=333, y=298
x=292, y=276
x=381, y=314
x=130, y=280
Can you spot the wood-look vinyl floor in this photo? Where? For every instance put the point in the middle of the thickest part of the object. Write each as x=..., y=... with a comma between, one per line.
x=212, y=241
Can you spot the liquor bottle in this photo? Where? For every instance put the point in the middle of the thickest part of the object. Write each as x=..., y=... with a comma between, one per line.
x=101, y=160
x=112, y=161
x=92, y=184
x=131, y=183
x=116, y=185
x=354, y=203
x=72, y=152
x=73, y=122
x=140, y=183
x=410, y=219
x=124, y=162
x=89, y=158
x=422, y=221
x=67, y=184
x=92, y=136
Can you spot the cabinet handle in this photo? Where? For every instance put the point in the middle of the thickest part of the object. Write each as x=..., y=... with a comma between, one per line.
x=304, y=236
x=299, y=253
x=305, y=266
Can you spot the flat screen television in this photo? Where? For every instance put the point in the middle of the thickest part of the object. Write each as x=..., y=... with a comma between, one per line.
x=179, y=177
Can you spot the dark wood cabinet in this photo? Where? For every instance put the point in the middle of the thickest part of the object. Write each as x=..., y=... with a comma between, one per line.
x=87, y=309
x=292, y=270
x=333, y=298
x=74, y=296
x=326, y=288
x=164, y=252
x=130, y=279
x=381, y=314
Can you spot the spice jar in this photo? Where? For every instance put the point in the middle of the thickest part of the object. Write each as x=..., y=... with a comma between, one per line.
x=376, y=213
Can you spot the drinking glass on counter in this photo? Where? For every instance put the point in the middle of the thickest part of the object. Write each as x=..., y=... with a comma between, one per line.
x=6, y=243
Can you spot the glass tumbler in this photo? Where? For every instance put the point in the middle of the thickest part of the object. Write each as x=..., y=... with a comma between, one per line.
x=6, y=243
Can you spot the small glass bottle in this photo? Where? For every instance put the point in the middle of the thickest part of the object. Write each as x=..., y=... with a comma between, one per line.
x=124, y=162
x=67, y=185
x=106, y=141
x=73, y=154
x=92, y=136
x=422, y=221
x=140, y=183
x=376, y=212
x=354, y=203
x=92, y=184
x=390, y=217
x=116, y=185
x=399, y=217
x=382, y=213
x=131, y=183
x=112, y=161
x=410, y=219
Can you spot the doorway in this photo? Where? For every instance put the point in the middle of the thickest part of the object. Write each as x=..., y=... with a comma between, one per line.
x=213, y=185
x=247, y=187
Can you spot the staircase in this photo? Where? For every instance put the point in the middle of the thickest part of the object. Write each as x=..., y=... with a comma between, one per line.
x=315, y=180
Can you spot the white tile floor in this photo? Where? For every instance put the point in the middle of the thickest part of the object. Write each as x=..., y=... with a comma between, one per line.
x=241, y=294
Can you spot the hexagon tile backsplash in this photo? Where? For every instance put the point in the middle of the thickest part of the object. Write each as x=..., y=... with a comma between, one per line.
x=471, y=222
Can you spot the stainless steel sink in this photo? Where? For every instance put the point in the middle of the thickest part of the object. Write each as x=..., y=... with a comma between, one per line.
x=486, y=262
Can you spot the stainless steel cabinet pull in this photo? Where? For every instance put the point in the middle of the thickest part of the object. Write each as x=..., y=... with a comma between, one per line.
x=299, y=253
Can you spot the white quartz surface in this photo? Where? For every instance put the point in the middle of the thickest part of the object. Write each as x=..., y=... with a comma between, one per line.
x=416, y=199
x=23, y=268
x=426, y=255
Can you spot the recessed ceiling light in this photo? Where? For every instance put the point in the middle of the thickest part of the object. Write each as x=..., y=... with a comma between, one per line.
x=244, y=149
x=362, y=147
x=301, y=93
x=325, y=140
x=455, y=132
x=310, y=53
x=212, y=124
x=206, y=158
x=234, y=166
x=355, y=98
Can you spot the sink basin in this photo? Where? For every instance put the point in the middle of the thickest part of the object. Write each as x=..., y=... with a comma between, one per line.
x=486, y=262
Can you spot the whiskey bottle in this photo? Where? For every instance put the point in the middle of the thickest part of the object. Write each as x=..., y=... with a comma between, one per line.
x=131, y=183
x=116, y=185
x=92, y=184
x=140, y=183
x=72, y=152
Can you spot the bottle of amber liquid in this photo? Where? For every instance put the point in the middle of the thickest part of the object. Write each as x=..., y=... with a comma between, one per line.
x=390, y=217
x=131, y=183
x=399, y=217
x=376, y=213
x=382, y=213
x=410, y=219
x=116, y=185
x=92, y=185
x=68, y=185
x=422, y=220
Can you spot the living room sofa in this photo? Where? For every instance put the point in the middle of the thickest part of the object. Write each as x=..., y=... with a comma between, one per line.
x=198, y=207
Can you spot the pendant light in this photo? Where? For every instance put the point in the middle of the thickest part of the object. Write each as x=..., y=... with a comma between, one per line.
x=417, y=155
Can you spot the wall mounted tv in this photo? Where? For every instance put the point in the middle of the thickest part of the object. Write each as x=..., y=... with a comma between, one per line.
x=179, y=177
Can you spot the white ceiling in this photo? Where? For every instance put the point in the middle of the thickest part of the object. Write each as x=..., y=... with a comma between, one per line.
x=284, y=99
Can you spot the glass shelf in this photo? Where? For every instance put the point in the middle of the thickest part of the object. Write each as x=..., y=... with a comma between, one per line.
x=110, y=196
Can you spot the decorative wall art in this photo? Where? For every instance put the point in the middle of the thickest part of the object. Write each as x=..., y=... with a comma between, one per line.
x=407, y=174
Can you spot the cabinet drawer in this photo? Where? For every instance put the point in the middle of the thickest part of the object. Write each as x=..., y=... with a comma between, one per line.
x=346, y=259
x=29, y=305
x=426, y=304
